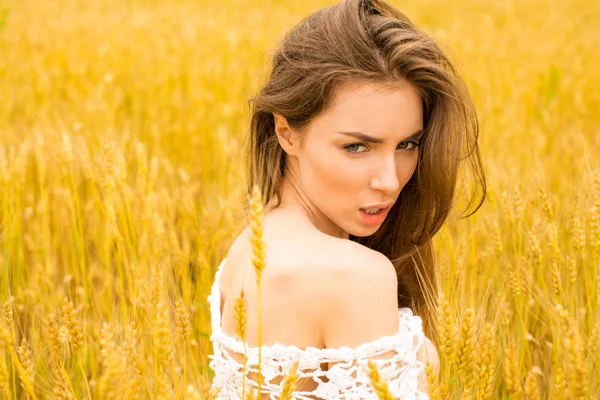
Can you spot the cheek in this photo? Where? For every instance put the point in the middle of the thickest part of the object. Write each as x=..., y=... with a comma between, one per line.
x=406, y=168
x=332, y=174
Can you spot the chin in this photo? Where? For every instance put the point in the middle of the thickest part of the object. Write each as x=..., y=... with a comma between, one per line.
x=365, y=231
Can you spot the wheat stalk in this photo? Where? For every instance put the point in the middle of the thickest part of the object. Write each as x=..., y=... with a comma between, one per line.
x=26, y=358
x=546, y=208
x=378, y=383
x=511, y=370
x=448, y=331
x=485, y=360
x=53, y=333
x=532, y=388
x=289, y=382
x=133, y=389
x=559, y=384
x=241, y=316
x=76, y=335
x=432, y=382
x=62, y=390
x=113, y=363
x=10, y=322
x=465, y=348
x=578, y=375
x=258, y=260
x=4, y=377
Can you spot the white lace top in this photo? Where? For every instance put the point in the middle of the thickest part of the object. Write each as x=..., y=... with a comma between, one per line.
x=344, y=380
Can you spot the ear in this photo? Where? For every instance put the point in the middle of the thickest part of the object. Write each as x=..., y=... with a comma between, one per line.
x=288, y=138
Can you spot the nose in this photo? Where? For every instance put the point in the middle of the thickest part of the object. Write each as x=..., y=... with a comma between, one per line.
x=385, y=178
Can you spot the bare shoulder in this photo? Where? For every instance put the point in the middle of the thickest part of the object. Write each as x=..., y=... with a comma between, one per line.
x=357, y=295
x=329, y=292
x=329, y=270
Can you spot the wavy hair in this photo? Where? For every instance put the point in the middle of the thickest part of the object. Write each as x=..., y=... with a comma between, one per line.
x=358, y=40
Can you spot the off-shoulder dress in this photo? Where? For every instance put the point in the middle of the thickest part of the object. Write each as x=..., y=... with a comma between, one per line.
x=347, y=379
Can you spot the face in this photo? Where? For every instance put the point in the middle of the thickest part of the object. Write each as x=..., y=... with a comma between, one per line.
x=356, y=156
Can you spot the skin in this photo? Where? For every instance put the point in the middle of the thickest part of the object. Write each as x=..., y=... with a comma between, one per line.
x=329, y=176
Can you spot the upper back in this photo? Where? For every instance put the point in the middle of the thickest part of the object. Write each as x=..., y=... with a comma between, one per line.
x=323, y=301
x=312, y=284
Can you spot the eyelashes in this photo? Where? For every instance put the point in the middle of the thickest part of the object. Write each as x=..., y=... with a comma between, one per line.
x=410, y=146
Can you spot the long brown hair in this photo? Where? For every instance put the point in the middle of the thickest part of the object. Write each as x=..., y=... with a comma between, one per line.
x=357, y=40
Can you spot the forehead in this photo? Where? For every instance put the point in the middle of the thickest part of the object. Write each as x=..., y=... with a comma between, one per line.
x=363, y=87
x=379, y=109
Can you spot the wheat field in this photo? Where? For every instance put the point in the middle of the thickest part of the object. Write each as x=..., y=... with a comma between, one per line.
x=121, y=127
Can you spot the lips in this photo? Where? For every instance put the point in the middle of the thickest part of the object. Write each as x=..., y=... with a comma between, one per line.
x=373, y=219
x=380, y=205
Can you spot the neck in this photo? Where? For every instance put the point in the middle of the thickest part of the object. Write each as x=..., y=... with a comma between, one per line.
x=297, y=205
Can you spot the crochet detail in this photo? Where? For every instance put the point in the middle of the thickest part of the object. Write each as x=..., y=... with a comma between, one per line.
x=347, y=379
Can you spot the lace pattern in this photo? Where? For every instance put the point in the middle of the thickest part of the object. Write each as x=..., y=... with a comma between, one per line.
x=346, y=379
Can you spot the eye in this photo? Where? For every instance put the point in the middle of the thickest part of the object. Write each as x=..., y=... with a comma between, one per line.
x=409, y=145
x=352, y=146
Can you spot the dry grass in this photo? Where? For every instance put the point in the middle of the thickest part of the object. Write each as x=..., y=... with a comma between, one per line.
x=121, y=125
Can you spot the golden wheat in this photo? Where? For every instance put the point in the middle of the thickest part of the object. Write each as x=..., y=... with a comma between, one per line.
x=578, y=378
x=53, y=333
x=76, y=335
x=289, y=382
x=512, y=377
x=485, y=361
x=433, y=389
x=447, y=329
x=120, y=178
x=559, y=384
x=62, y=388
x=465, y=348
x=4, y=378
x=9, y=320
x=380, y=386
x=26, y=359
x=532, y=389
x=241, y=320
x=258, y=260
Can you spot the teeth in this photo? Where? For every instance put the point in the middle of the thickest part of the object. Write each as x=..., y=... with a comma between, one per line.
x=372, y=210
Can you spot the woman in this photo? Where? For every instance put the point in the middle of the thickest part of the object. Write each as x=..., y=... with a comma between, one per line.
x=356, y=141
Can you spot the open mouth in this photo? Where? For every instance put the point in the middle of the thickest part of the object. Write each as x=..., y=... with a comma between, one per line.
x=372, y=211
x=373, y=216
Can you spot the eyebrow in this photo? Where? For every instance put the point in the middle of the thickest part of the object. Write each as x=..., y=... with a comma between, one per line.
x=371, y=139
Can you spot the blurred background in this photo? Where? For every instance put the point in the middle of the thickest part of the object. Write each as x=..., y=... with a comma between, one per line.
x=121, y=189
